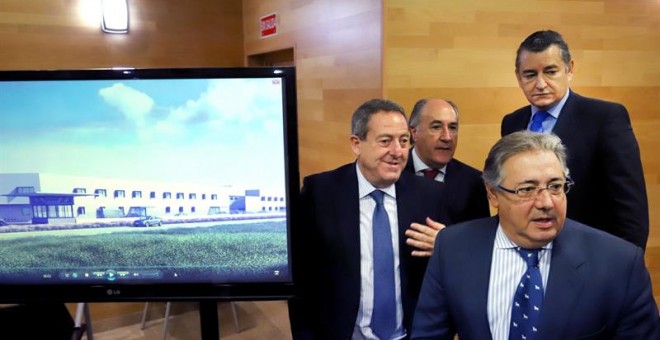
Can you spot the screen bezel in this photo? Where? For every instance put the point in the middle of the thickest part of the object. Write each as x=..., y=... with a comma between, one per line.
x=112, y=292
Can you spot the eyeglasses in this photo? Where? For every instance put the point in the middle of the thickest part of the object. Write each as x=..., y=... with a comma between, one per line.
x=527, y=191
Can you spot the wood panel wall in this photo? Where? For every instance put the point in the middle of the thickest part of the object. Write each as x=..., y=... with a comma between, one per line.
x=465, y=51
x=348, y=51
x=337, y=49
x=65, y=34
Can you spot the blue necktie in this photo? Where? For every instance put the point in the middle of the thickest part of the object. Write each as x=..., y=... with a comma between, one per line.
x=383, y=319
x=528, y=300
x=537, y=121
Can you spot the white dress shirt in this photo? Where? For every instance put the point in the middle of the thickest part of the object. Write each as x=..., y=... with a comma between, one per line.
x=506, y=269
x=367, y=206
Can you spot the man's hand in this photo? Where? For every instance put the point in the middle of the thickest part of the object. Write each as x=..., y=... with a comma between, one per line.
x=423, y=236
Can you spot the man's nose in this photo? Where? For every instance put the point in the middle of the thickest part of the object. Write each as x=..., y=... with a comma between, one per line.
x=543, y=199
x=445, y=134
x=396, y=147
x=541, y=83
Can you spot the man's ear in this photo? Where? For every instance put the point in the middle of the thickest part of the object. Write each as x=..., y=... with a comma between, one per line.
x=413, y=134
x=569, y=70
x=355, y=144
x=492, y=197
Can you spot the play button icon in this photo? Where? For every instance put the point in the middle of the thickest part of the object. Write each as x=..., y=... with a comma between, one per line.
x=111, y=275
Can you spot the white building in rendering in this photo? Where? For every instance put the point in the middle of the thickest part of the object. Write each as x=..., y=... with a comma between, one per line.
x=48, y=198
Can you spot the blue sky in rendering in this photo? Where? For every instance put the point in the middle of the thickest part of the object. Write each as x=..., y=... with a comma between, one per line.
x=219, y=131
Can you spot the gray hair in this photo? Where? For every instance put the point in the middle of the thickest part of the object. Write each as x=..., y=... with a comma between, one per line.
x=361, y=116
x=516, y=143
x=539, y=41
x=415, y=115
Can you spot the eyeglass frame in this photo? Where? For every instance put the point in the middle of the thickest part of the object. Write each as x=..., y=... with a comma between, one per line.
x=566, y=187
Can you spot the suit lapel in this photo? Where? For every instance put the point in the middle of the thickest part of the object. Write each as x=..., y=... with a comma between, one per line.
x=519, y=122
x=410, y=166
x=347, y=203
x=566, y=127
x=478, y=270
x=565, y=283
x=449, y=171
x=404, y=203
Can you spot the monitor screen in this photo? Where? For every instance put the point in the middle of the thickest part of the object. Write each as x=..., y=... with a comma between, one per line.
x=147, y=184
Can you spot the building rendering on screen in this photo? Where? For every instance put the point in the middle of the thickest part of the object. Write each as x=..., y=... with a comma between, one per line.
x=40, y=198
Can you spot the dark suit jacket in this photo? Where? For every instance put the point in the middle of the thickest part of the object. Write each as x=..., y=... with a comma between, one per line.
x=326, y=251
x=465, y=194
x=604, y=162
x=591, y=293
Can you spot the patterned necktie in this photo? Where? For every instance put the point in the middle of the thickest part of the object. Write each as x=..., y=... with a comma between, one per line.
x=383, y=319
x=537, y=121
x=528, y=300
x=430, y=173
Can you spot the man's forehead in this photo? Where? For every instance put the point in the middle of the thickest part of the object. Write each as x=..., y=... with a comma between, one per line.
x=551, y=53
x=378, y=124
x=517, y=163
x=546, y=65
x=439, y=111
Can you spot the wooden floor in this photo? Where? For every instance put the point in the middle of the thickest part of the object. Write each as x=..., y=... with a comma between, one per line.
x=257, y=320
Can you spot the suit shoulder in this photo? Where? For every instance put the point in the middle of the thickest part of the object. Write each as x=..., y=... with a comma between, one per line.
x=465, y=236
x=464, y=168
x=331, y=177
x=420, y=191
x=600, y=240
x=476, y=226
x=595, y=106
x=419, y=184
x=525, y=110
x=516, y=120
x=595, y=101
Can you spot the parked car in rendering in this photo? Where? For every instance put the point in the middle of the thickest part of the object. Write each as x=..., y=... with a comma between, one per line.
x=148, y=221
x=2, y=222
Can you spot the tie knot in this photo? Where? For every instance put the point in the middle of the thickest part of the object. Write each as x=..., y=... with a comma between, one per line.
x=537, y=121
x=378, y=196
x=430, y=173
x=531, y=256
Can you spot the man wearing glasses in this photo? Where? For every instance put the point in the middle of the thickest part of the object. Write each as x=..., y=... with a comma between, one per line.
x=529, y=272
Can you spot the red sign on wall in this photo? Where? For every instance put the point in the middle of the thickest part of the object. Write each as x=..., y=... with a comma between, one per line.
x=268, y=25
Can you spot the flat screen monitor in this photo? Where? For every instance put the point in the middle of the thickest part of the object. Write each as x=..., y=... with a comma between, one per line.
x=147, y=184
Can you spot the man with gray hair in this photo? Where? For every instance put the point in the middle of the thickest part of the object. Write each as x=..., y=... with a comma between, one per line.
x=434, y=127
x=359, y=248
x=530, y=272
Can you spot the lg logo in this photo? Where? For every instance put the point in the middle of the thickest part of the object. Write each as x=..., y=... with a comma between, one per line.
x=113, y=292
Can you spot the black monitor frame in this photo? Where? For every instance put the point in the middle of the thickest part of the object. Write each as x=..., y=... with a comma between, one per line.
x=153, y=291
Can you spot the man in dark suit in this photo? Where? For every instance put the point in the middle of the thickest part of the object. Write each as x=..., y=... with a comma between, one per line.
x=530, y=271
x=603, y=154
x=334, y=244
x=434, y=127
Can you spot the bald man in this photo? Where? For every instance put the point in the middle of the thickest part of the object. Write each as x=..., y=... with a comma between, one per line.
x=434, y=127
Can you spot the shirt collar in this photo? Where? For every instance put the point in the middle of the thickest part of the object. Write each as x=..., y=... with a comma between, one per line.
x=503, y=242
x=420, y=165
x=365, y=188
x=555, y=110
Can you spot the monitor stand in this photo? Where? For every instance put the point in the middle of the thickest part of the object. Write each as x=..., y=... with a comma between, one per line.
x=208, y=318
